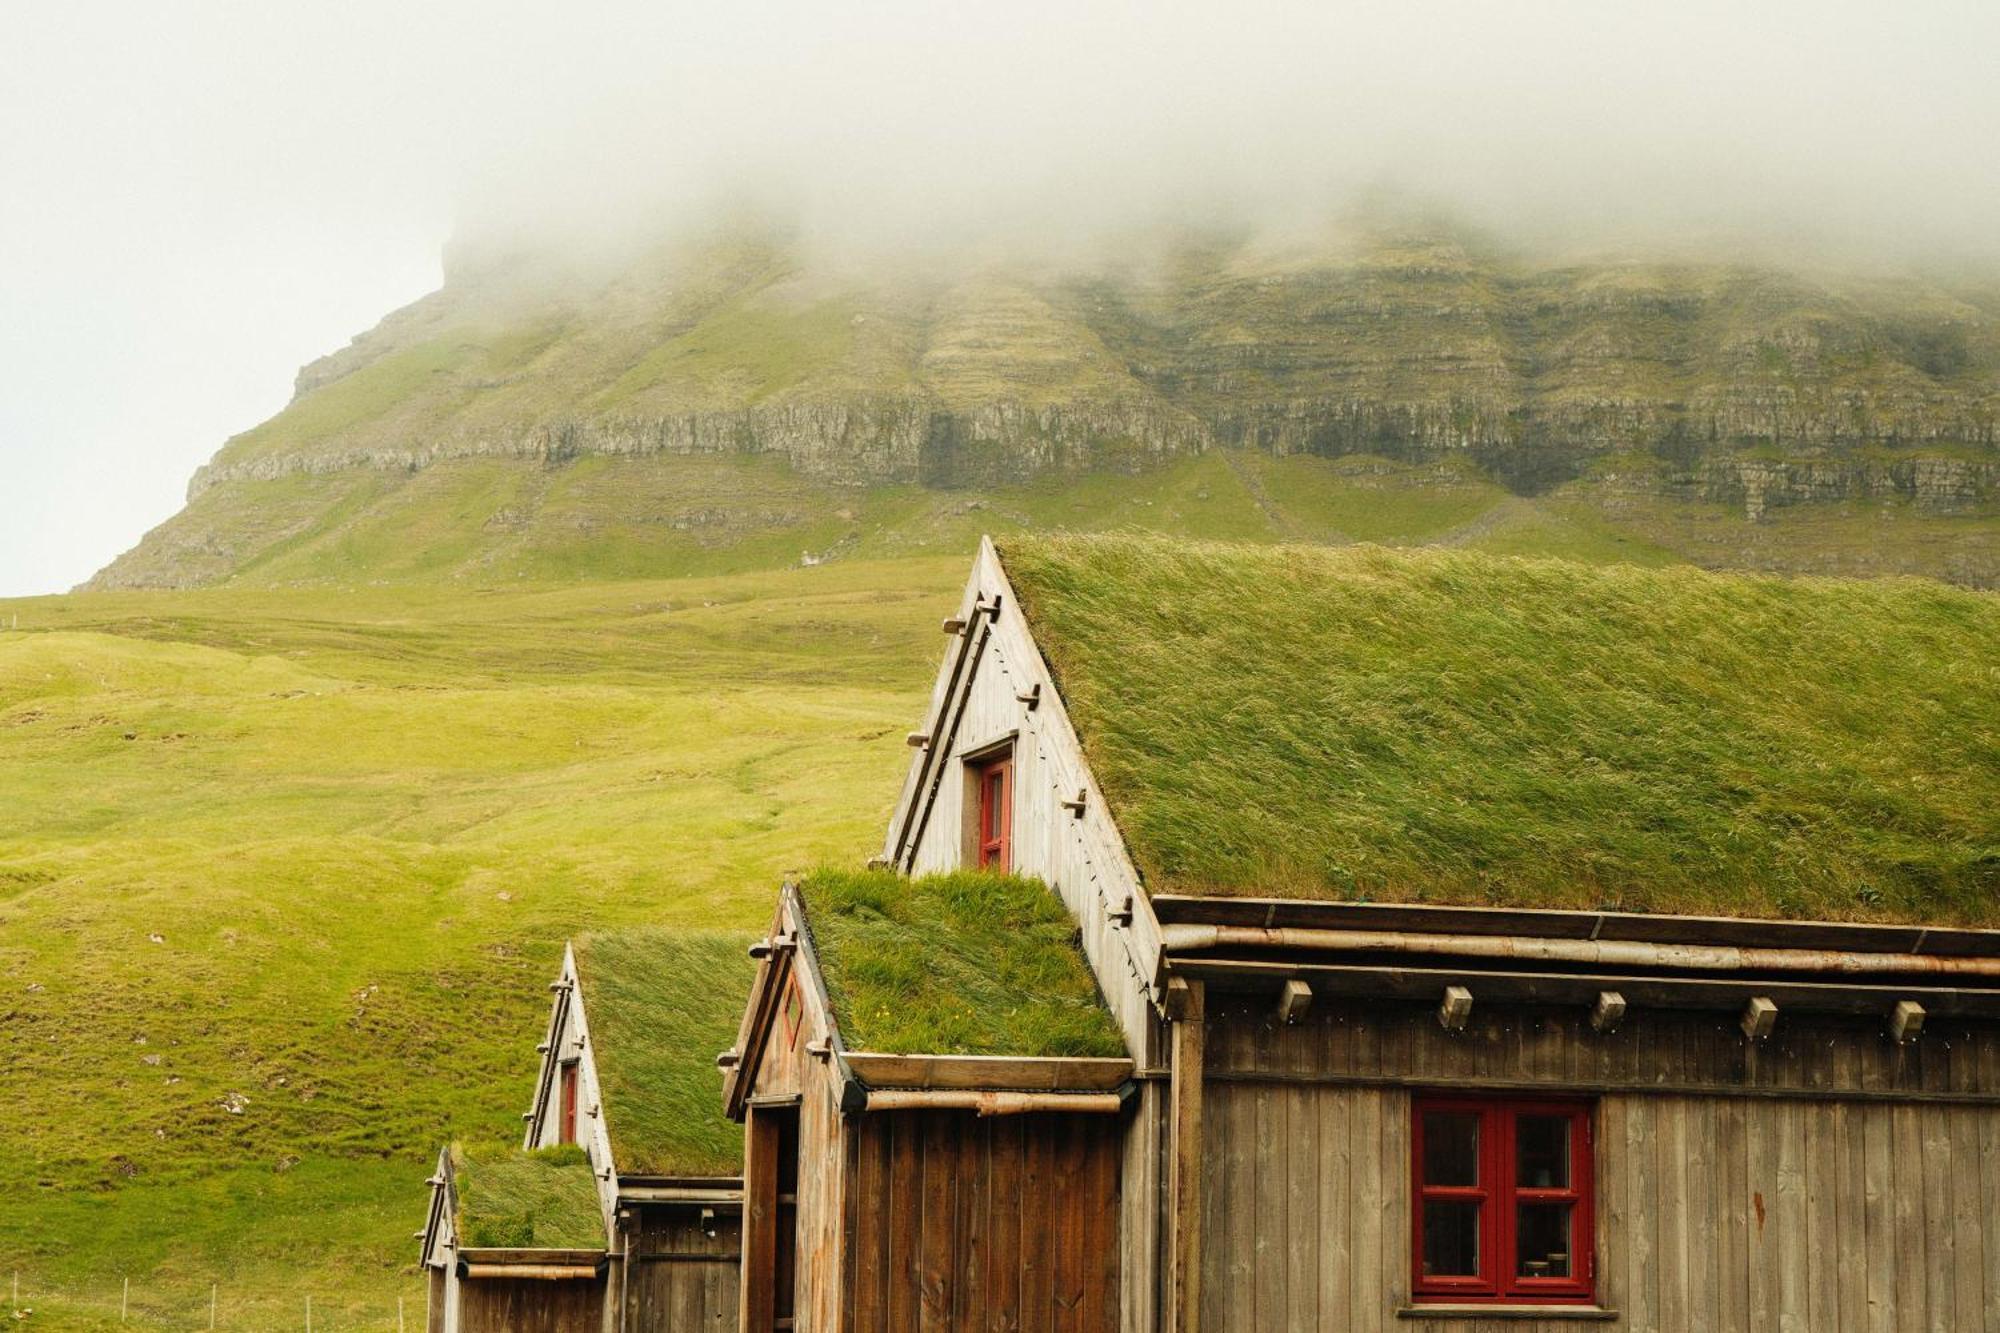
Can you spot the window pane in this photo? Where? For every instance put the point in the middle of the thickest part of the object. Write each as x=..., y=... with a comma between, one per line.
x=1541, y=1148
x=1451, y=1148
x=1451, y=1238
x=1541, y=1233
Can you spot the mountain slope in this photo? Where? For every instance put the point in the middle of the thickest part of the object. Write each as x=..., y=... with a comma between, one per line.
x=738, y=398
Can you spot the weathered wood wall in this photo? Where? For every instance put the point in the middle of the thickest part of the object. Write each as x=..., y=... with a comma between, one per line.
x=679, y=1279
x=1825, y=1180
x=962, y=1222
x=527, y=1305
x=787, y=1074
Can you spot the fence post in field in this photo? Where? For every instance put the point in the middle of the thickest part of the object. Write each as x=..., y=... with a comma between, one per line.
x=211, y=1304
x=399, y=1314
x=309, y=1314
x=124, y=1299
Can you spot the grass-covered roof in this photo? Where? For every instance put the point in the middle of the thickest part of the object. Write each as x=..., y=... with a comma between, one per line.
x=958, y=964
x=510, y=1199
x=1432, y=726
x=662, y=1004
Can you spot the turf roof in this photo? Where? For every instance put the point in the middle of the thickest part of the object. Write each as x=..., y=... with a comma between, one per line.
x=958, y=964
x=510, y=1199
x=661, y=1005
x=1436, y=726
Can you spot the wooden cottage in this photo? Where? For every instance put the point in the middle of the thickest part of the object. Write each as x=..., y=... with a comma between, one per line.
x=934, y=1102
x=626, y=1110
x=1495, y=945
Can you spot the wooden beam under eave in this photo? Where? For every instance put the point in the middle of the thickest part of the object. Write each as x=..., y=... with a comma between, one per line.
x=1294, y=999
x=1184, y=1159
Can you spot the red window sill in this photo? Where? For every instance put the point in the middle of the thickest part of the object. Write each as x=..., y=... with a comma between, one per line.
x=1447, y=1309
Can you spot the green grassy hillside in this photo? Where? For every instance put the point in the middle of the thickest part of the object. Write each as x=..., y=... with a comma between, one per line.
x=739, y=399
x=282, y=877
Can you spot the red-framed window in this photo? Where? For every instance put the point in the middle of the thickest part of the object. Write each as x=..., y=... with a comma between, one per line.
x=993, y=779
x=1501, y=1201
x=567, y=1126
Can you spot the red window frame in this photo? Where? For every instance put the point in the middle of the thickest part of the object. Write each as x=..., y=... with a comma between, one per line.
x=1498, y=1194
x=566, y=1125
x=994, y=832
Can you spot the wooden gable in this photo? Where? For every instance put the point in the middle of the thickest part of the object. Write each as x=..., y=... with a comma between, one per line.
x=568, y=1042
x=994, y=692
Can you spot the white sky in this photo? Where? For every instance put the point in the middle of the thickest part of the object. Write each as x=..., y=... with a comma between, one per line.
x=197, y=197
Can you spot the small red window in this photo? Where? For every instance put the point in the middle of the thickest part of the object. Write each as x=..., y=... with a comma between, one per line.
x=1501, y=1206
x=568, y=1125
x=995, y=779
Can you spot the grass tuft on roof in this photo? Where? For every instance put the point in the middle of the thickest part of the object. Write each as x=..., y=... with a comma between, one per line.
x=1437, y=726
x=957, y=964
x=661, y=1005
x=511, y=1199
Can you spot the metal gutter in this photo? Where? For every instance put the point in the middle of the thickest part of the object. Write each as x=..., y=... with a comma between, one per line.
x=1187, y=938
x=995, y=1103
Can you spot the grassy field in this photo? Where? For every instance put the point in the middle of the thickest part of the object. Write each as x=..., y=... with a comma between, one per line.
x=282, y=876
x=283, y=869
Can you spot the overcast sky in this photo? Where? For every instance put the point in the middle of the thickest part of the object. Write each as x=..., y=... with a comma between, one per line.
x=197, y=197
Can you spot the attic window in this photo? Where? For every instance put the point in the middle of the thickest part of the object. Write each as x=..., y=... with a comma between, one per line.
x=993, y=809
x=567, y=1107
x=1502, y=1201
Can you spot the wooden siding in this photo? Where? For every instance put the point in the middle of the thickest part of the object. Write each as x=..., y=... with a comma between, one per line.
x=1791, y=1194
x=962, y=1222
x=529, y=1305
x=678, y=1279
x=1656, y=1050
x=783, y=1070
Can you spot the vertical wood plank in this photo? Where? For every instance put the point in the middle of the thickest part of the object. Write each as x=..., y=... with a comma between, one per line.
x=1670, y=1160
x=1940, y=1222
x=974, y=1236
x=1037, y=1280
x=1336, y=1209
x=1704, y=1227
x=1303, y=1229
x=1396, y=1220
x=760, y=1215
x=1908, y=1184
x=905, y=1220
x=1878, y=1217
x=1268, y=1220
x=1642, y=1263
x=1364, y=1153
x=1185, y=1165
x=1005, y=1207
x=1761, y=1170
x=1968, y=1221
x=1791, y=1230
x=1823, y=1228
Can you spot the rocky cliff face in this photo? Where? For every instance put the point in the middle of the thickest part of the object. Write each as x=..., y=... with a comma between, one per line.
x=1745, y=386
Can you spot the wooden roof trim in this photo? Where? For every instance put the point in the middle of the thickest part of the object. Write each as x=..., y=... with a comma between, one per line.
x=441, y=1226
x=529, y=1254
x=569, y=990
x=1546, y=923
x=790, y=929
x=988, y=1072
x=1370, y=981
x=953, y=681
